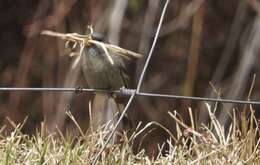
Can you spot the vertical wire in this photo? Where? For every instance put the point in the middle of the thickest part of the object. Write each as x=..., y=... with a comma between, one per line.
x=152, y=48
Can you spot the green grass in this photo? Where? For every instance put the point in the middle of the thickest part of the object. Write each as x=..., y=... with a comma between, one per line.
x=210, y=145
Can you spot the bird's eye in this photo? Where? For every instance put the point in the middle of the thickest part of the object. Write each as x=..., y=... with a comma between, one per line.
x=97, y=36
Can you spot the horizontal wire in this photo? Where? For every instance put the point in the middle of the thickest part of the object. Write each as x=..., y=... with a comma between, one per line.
x=129, y=92
x=198, y=98
x=52, y=89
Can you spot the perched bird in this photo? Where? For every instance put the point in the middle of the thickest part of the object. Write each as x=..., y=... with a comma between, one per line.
x=103, y=67
x=100, y=73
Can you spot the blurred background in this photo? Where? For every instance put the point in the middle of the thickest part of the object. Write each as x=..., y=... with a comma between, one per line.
x=205, y=48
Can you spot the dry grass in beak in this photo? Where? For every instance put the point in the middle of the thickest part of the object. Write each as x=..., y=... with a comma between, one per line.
x=86, y=40
x=102, y=45
x=123, y=52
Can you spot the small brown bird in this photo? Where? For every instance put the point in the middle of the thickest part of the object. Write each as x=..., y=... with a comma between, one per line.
x=100, y=73
x=104, y=69
x=98, y=70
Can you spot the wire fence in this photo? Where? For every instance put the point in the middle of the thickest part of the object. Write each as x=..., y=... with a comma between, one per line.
x=129, y=92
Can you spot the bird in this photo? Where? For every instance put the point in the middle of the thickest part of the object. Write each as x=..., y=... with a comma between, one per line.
x=103, y=69
x=100, y=73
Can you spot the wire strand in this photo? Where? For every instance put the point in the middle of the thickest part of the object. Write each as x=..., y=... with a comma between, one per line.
x=152, y=47
x=114, y=129
x=128, y=92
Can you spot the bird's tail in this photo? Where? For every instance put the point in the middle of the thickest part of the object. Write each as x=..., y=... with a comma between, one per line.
x=127, y=123
x=103, y=110
x=106, y=109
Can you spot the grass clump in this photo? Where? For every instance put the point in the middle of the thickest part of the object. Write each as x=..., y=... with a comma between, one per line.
x=211, y=144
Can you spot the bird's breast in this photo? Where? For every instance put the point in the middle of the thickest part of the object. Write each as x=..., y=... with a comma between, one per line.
x=98, y=71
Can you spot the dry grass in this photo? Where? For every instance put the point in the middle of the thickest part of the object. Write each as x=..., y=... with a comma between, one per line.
x=212, y=144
